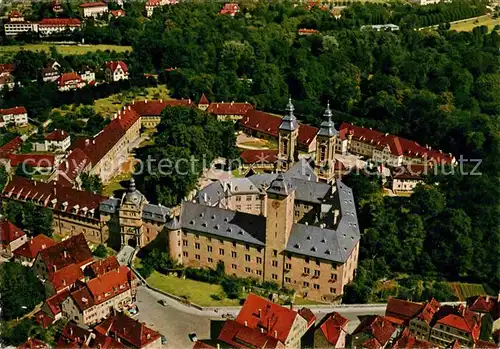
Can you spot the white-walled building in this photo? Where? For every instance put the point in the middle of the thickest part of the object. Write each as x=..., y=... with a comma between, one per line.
x=13, y=116
x=57, y=140
x=116, y=71
x=48, y=26
x=93, y=9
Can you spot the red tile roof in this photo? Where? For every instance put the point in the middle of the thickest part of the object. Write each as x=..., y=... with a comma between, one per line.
x=14, y=14
x=66, y=277
x=200, y=344
x=430, y=308
x=155, y=107
x=408, y=341
x=130, y=331
x=72, y=336
x=13, y=111
x=482, y=304
x=55, y=302
x=11, y=146
x=103, y=266
x=113, y=65
x=308, y=31
x=57, y=135
x=400, y=312
x=332, y=326
x=73, y=250
x=72, y=167
x=105, y=342
x=9, y=232
x=35, y=160
x=203, y=100
x=43, y=319
x=231, y=9
x=460, y=318
x=480, y=344
x=251, y=156
x=31, y=248
x=240, y=336
x=377, y=327
x=98, y=146
x=54, y=196
x=71, y=22
x=93, y=4
x=117, y=13
x=232, y=108
x=397, y=145
x=33, y=343
x=307, y=314
x=412, y=171
x=7, y=68
x=269, y=124
x=68, y=78
x=275, y=319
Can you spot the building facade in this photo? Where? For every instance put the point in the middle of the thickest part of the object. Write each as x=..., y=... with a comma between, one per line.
x=93, y=9
x=17, y=116
x=116, y=71
x=49, y=26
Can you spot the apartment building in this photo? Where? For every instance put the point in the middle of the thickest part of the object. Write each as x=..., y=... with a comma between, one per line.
x=49, y=26
x=93, y=9
x=116, y=71
x=70, y=81
x=17, y=116
x=229, y=111
x=57, y=140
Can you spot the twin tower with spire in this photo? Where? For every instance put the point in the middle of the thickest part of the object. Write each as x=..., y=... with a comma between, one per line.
x=326, y=141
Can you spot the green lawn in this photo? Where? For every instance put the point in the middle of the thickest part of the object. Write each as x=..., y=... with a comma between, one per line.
x=195, y=291
x=469, y=25
x=114, y=184
x=64, y=49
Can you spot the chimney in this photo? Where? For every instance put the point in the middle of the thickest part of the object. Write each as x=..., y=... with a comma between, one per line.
x=65, y=254
x=161, y=100
x=262, y=330
x=129, y=107
x=87, y=141
x=93, y=141
x=146, y=101
x=246, y=323
x=55, y=191
x=275, y=334
x=71, y=331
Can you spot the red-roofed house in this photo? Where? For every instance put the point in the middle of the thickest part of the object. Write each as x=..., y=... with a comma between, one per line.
x=150, y=111
x=400, y=312
x=11, y=237
x=117, y=13
x=10, y=147
x=263, y=324
x=331, y=332
x=70, y=81
x=408, y=341
x=48, y=26
x=72, y=167
x=93, y=9
x=488, y=308
x=73, y=250
x=230, y=9
x=229, y=111
x=74, y=336
x=13, y=116
x=63, y=279
x=52, y=307
x=129, y=332
x=103, y=266
x=305, y=31
x=33, y=343
x=259, y=159
x=152, y=4
x=116, y=71
x=27, y=252
x=390, y=149
x=373, y=332
x=57, y=140
x=420, y=326
x=203, y=103
x=95, y=300
x=455, y=323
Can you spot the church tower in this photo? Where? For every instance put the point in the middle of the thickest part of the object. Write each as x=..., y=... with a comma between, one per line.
x=325, y=147
x=130, y=216
x=279, y=222
x=287, y=139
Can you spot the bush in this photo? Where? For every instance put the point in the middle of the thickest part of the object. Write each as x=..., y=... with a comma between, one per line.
x=101, y=251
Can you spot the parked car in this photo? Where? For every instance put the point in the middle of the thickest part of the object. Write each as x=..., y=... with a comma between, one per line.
x=192, y=337
x=163, y=302
x=163, y=340
x=228, y=316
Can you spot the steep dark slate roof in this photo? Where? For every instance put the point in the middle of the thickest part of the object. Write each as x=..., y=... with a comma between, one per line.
x=281, y=186
x=289, y=121
x=223, y=223
x=155, y=213
x=314, y=192
x=327, y=128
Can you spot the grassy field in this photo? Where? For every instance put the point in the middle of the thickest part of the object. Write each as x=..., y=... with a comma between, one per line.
x=110, y=105
x=469, y=25
x=464, y=290
x=64, y=49
x=114, y=184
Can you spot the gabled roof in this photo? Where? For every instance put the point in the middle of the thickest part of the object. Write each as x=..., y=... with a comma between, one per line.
x=113, y=65
x=240, y=336
x=155, y=107
x=409, y=341
x=230, y=8
x=307, y=314
x=332, y=326
x=128, y=330
x=117, y=13
x=253, y=156
x=73, y=336
x=72, y=167
x=104, y=266
x=11, y=146
x=203, y=100
x=66, y=277
x=43, y=319
x=461, y=318
x=399, y=311
x=57, y=135
x=7, y=68
x=428, y=311
x=231, y=108
x=9, y=232
x=109, y=282
x=482, y=304
x=93, y=4
x=377, y=327
x=60, y=22
x=73, y=250
x=259, y=313
x=15, y=14
x=55, y=302
x=13, y=111
x=33, y=343
x=35, y=160
x=66, y=78
x=31, y=248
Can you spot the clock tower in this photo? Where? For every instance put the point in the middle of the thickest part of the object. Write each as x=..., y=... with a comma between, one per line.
x=279, y=222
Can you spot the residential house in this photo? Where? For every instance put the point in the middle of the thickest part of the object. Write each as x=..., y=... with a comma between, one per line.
x=27, y=252
x=87, y=74
x=399, y=312
x=57, y=140
x=455, y=323
x=488, y=308
x=49, y=26
x=264, y=324
x=95, y=301
x=73, y=250
x=420, y=326
x=11, y=237
x=373, y=332
x=117, y=13
x=51, y=72
x=408, y=341
x=6, y=77
x=74, y=336
x=305, y=31
x=116, y=71
x=331, y=332
x=70, y=81
x=129, y=332
x=230, y=9
x=51, y=310
x=17, y=116
x=64, y=279
x=102, y=266
x=203, y=103
x=232, y=111
x=406, y=178
x=33, y=343
x=152, y=4
x=93, y=9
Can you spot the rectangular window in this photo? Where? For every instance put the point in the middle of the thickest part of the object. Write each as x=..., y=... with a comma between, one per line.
x=197, y=236
x=317, y=262
x=248, y=270
x=332, y=290
x=221, y=241
x=275, y=263
x=288, y=280
x=275, y=277
x=197, y=256
x=307, y=260
x=197, y=245
x=185, y=254
x=234, y=266
x=184, y=243
x=334, y=277
x=249, y=197
x=247, y=257
x=210, y=260
x=306, y=284
x=306, y=270
x=238, y=198
x=316, y=286
x=275, y=253
x=247, y=247
x=209, y=248
x=234, y=244
x=258, y=272
x=316, y=273
x=233, y=254
x=259, y=260
x=288, y=266
x=221, y=251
